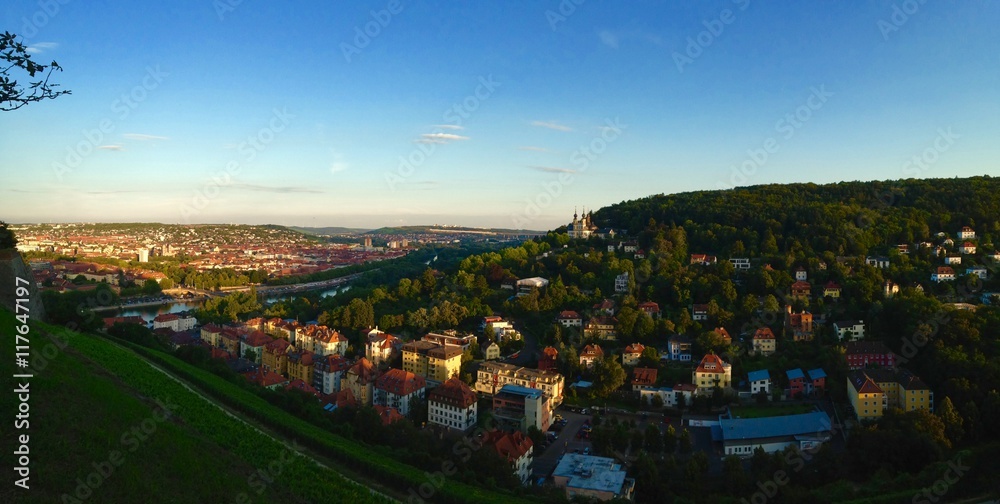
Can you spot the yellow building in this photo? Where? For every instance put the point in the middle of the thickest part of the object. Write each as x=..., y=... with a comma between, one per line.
x=434, y=362
x=871, y=391
x=361, y=381
x=300, y=366
x=712, y=372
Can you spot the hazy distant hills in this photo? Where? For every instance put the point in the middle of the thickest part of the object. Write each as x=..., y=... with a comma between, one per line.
x=330, y=230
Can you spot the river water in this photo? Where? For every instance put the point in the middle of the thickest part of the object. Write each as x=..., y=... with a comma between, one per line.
x=148, y=313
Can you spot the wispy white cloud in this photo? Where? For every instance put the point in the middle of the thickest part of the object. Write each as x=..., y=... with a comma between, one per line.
x=40, y=47
x=429, y=141
x=449, y=126
x=338, y=165
x=552, y=169
x=447, y=137
x=115, y=147
x=608, y=38
x=276, y=189
x=551, y=125
x=533, y=148
x=142, y=136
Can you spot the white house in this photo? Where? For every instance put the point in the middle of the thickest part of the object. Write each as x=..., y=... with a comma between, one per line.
x=967, y=233
x=453, y=404
x=174, y=322
x=760, y=381
x=801, y=274
x=740, y=263
x=621, y=282
x=943, y=274
x=851, y=330
x=953, y=259
x=979, y=271
x=399, y=389
x=967, y=248
x=878, y=261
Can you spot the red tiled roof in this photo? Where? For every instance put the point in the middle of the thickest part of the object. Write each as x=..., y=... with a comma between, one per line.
x=644, y=376
x=454, y=392
x=763, y=333
x=634, y=349
x=568, y=315
x=708, y=360
x=592, y=351
x=400, y=383
x=166, y=317
x=388, y=414
x=509, y=446
x=257, y=339
x=303, y=386
x=365, y=370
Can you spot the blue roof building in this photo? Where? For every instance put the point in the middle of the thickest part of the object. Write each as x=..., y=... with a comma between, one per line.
x=740, y=436
x=601, y=478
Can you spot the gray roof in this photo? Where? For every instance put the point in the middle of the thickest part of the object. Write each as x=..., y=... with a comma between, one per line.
x=816, y=423
x=589, y=472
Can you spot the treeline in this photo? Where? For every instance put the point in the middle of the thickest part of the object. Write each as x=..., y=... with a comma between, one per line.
x=844, y=218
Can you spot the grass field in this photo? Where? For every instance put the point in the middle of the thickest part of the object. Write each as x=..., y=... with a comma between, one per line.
x=766, y=410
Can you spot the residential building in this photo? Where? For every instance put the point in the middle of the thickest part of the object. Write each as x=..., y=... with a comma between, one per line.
x=990, y=298
x=174, y=322
x=494, y=375
x=621, y=283
x=724, y=334
x=630, y=357
x=669, y=395
x=388, y=415
x=872, y=391
x=526, y=286
x=275, y=356
x=210, y=334
x=801, y=290
x=953, y=260
x=548, y=359
x=831, y=289
x=591, y=354
x=740, y=263
x=399, y=389
x=516, y=448
x=266, y=379
x=801, y=274
x=650, y=308
x=864, y=354
x=361, y=379
x=760, y=381
x=592, y=477
x=520, y=408
x=630, y=247
x=703, y=259
x=329, y=372
x=763, y=341
x=890, y=288
x=712, y=372
x=321, y=340
x=679, y=348
x=301, y=365
x=966, y=233
x=943, y=274
x=880, y=262
x=569, y=318
x=492, y=351
x=303, y=386
x=967, y=248
x=815, y=381
x=699, y=312
x=453, y=404
x=254, y=342
x=381, y=347
x=643, y=378
x=605, y=307
x=796, y=382
x=434, y=362
x=601, y=327
x=851, y=330
x=230, y=340
x=450, y=337
x=798, y=325
x=741, y=436
x=979, y=271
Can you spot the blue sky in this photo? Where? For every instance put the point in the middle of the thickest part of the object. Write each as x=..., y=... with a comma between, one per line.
x=488, y=114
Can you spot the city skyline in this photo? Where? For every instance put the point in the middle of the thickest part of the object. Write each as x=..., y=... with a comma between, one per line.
x=415, y=113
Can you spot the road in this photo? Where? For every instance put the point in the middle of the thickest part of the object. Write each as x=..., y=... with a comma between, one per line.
x=566, y=441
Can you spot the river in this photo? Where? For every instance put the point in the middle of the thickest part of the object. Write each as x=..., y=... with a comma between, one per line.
x=148, y=313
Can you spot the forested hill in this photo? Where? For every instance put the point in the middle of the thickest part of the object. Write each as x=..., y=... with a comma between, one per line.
x=843, y=218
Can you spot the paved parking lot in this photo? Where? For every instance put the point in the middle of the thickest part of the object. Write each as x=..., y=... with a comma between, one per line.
x=565, y=441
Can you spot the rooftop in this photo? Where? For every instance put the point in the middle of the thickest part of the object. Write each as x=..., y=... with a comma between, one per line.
x=590, y=472
x=815, y=423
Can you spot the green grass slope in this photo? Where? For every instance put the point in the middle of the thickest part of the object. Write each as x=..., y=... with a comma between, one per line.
x=98, y=434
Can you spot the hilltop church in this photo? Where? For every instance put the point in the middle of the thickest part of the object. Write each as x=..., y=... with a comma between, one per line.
x=582, y=227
